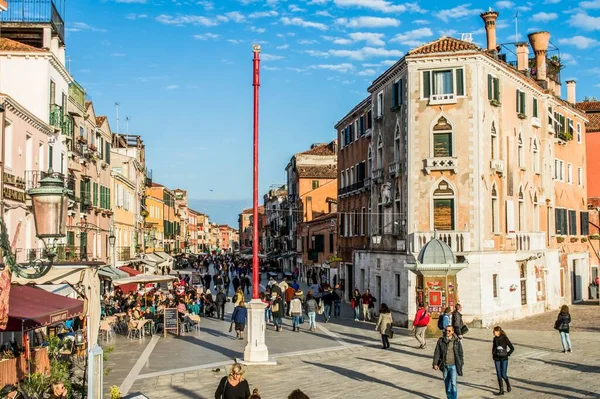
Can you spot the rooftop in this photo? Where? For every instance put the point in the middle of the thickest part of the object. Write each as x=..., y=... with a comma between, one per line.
x=318, y=172
x=100, y=120
x=444, y=44
x=15, y=46
x=321, y=149
x=592, y=112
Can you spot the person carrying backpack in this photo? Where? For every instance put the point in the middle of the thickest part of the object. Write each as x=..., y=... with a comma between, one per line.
x=444, y=320
x=420, y=323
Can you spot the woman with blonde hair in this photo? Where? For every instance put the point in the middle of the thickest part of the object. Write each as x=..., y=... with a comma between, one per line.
x=233, y=386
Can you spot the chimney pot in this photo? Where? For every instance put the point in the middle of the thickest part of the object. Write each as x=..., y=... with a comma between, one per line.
x=571, y=97
x=522, y=56
x=489, y=18
x=539, y=42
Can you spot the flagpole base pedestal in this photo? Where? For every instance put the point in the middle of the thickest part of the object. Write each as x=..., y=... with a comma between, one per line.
x=256, y=351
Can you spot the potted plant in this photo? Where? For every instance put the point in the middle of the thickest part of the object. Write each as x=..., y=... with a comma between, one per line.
x=560, y=239
x=584, y=239
x=35, y=386
x=574, y=239
x=115, y=393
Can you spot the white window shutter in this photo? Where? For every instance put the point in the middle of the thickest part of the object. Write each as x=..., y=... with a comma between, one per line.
x=510, y=216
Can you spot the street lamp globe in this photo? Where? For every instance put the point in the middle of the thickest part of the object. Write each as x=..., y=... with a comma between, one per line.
x=79, y=338
x=112, y=239
x=50, y=203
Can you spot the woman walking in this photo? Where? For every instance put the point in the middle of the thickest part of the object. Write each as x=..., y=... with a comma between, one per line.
x=384, y=325
x=277, y=310
x=239, y=317
x=296, y=311
x=310, y=307
x=234, y=386
x=562, y=325
x=355, y=303
x=502, y=348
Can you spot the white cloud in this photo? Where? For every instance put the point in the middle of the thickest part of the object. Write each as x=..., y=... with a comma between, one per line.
x=568, y=59
x=421, y=22
x=303, y=23
x=131, y=1
x=79, y=26
x=295, y=8
x=373, y=39
x=551, y=1
x=337, y=40
x=136, y=16
x=117, y=54
x=581, y=42
x=271, y=57
x=388, y=62
x=186, y=19
x=458, y=12
x=379, y=5
x=448, y=32
x=592, y=5
x=305, y=42
x=344, y=67
x=544, y=16
x=348, y=82
x=233, y=41
x=257, y=30
x=206, y=36
x=584, y=21
x=367, y=72
x=323, y=14
x=504, y=4
x=368, y=22
x=315, y=53
x=523, y=8
x=263, y=14
x=208, y=5
x=366, y=52
x=283, y=47
x=270, y=68
x=318, y=2
x=411, y=38
x=236, y=16
x=171, y=87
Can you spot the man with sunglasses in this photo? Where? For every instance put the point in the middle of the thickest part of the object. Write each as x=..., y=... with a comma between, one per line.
x=448, y=357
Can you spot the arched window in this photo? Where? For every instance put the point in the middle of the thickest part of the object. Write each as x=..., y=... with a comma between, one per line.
x=536, y=213
x=442, y=139
x=397, y=144
x=380, y=215
x=520, y=151
x=397, y=207
x=494, y=142
x=370, y=160
x=521, y=210
x=379, y=159
x=443, y=207
x=495, y=210
x=523, y=281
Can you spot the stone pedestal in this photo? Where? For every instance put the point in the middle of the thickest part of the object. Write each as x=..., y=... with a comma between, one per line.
x=256, y=351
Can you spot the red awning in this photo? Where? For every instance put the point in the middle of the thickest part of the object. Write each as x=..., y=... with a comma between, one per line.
x=130, y=271
x=31, y=307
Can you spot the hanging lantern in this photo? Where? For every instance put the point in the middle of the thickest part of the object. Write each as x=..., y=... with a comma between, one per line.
x=79, y=338
x=50, y=203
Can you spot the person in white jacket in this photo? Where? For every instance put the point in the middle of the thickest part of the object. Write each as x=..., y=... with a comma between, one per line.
x=296, y=310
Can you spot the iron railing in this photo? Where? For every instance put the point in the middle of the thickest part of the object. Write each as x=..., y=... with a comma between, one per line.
x=37, y=11
x=123, y=253
x=56, y=116
x=33, y=177
x=77, y=94
x=68, y=126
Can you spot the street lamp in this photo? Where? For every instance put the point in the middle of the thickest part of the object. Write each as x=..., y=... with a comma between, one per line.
x=112, y=239
x=49, y=204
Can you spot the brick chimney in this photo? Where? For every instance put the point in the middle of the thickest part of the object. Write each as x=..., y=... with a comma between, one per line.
x=489, y=18
x=522, y=56
x=539, y=42
x=571, y=91
x=309, y=212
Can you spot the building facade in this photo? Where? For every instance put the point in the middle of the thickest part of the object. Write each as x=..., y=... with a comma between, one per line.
x=482, y=153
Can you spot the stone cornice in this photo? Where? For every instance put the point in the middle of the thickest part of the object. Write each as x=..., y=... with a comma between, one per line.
x=25, y=115
x=388, y=75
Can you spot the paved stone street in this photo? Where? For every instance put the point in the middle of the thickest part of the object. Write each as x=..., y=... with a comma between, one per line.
x=343, y=360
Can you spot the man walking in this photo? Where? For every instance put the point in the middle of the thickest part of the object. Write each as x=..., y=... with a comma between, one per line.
x=457, y=321
x=327, y=303
x=337, y=301
x=366, y=301
x=290, y=292
x=448, y=357
x=221, y=299
x=420, y=323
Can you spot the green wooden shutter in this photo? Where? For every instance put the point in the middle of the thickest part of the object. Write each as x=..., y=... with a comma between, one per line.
x=491, y=94
x=497, y=89
x=426, y=84
x=107, y=152
x=95, y=198
x=584, y=227
x=460, y=88
x=535, y=108
x=523, y=104
x=518, y=102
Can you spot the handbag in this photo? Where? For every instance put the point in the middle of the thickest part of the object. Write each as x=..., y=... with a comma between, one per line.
x=500, y=351
x=464, y=330
x=388, y=331
x=302, y=319
x=557, y=324
x=231, y=327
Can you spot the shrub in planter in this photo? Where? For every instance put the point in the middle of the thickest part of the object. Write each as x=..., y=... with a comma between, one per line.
x=35, y=386
x=560, y=239
x=595, y=237
x=584, y=239
x=574, y=239
x=115, y=393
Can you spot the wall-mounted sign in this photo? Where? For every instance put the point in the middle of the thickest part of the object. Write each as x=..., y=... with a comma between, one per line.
x=12, y=180
x=14, y=195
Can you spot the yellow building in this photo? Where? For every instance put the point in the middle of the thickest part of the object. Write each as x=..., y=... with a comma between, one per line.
x=154, y=222
x=124, y=216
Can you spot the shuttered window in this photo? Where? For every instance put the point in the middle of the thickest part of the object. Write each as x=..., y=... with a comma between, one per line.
x=460, y=84
x=107, y=152
x=535, y=108
x=572, y=223
x=520, y=102
x=560, y=221
x=426, y=84
x=95, y=194
x=584, y=223
x=397, y=94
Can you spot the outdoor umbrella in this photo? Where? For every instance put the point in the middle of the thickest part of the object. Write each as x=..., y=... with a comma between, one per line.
x=145, y=279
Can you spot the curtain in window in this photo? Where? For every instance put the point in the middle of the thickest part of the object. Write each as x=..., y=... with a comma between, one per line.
x=442, y=82
x=443, y=214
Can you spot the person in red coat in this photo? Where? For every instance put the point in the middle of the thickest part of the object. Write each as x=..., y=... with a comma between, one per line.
x=420, y=323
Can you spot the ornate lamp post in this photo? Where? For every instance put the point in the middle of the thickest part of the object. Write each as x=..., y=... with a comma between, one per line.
x=256, y=351
x=49, y=204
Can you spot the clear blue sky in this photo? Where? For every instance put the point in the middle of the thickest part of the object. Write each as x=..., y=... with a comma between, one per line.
x=182, y=72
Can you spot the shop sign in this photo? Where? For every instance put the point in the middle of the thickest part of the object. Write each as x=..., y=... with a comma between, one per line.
x=332, y=259
x=58, y=317
x=14, y=195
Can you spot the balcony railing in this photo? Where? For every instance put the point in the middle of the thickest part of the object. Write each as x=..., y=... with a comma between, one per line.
x=458, y=241
x=56, y=116
x=378, y=174
x=394, y=168
x=438, y=99
x=530, y=241
x=68, y=126
x=77, y=94
x=36, y=11
x=441, y=163
x=69, y=253
x=33, y=177
x=123, y=253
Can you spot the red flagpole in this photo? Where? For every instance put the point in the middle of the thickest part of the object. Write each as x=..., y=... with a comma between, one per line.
x=256, y=84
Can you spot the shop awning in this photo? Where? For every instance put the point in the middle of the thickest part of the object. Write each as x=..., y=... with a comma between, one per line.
x=31, y=307
x=129, y=271
x=112, y=273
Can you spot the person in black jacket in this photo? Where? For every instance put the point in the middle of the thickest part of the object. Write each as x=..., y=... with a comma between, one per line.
x=448, y=357
x=502, y=348
x=457, y=321
x=562, y=325
x=221, y=299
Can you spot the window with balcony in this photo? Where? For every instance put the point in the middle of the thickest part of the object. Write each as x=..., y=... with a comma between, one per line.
x=536, y=156
x=443, y=86
x=494, y=142
x=493, y=89
x=521, y=103
x=442, y=139
x=397, y=94
x=397, y=208
x=520, y=151
x=495, y=211
x=380, y=104
x=443, y=207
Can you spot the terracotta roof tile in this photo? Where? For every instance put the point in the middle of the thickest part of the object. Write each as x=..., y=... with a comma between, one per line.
x=444, y=45
x=13, y=45
x=318, y=172
x=321, y=149
x=589, y=106
x=594, y=122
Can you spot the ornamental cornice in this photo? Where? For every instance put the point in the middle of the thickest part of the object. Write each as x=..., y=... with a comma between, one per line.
x=397, y=69
x=27, y=116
